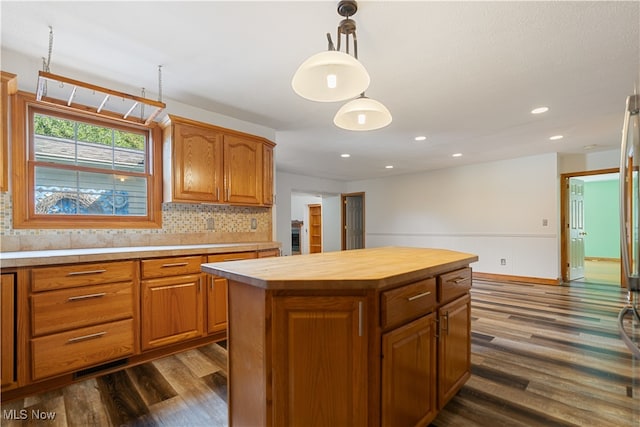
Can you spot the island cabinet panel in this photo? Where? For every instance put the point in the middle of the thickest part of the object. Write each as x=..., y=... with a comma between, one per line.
x=347, y=338
x=409, y=374
x=320, y=373
x=454, y=348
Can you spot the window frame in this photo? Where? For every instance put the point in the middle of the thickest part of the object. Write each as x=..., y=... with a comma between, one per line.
x=23, y=171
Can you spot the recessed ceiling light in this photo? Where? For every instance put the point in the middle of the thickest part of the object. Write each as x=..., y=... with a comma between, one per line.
x=556, y=137
x=389, y=167
x=345, y=155
x=457, y=155
x=420, y=138
x=539, y=110
x=589, y=147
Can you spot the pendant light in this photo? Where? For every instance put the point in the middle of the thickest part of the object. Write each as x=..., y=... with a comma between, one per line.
x=334, y=75
x=362, y=113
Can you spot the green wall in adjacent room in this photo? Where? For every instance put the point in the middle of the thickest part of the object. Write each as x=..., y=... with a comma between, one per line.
x=602, y=219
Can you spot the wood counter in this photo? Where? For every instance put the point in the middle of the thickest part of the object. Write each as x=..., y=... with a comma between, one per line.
x=369, y=337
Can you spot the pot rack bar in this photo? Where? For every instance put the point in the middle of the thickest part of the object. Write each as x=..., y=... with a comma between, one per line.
x=155, y=107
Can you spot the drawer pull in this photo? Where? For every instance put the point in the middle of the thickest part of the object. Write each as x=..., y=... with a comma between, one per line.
x=81, y=297
x=80, y=273
x=457, y=280
x=415, y=297
x=175, y=264
x=86, y=337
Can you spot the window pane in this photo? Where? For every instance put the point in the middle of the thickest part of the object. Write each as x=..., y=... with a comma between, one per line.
x=65, y=192
x=84, y=144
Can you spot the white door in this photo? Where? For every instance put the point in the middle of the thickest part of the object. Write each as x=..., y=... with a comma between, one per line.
x=576, y=229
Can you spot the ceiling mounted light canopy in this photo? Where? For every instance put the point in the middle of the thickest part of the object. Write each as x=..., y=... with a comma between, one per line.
x=362, y=114
x=334, y=75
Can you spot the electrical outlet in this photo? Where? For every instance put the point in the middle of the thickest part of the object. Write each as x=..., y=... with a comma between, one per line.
x=503, y=261
x=210, y=224
x=254, y=224
x=545, y=222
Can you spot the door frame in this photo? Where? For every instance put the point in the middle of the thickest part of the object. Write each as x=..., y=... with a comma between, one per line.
x=343, y=215
x=564, y=217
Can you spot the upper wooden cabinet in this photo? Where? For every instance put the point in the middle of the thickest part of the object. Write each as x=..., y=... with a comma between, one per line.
x=8, y=86
x=203, y=163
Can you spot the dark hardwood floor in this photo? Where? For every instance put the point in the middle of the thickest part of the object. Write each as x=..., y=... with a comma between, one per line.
x=541, y=355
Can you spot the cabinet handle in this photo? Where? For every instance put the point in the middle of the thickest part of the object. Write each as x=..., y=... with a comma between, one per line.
x=360, y=325
x=175, y=264
x=446, y=319
x=80, y=273
x=424, y=294
x=457, y=280
x=81, y=297
x=86, y=337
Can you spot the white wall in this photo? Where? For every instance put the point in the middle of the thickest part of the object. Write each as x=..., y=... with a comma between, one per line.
x=494, y=210
x=331, y=223
x=569, y=163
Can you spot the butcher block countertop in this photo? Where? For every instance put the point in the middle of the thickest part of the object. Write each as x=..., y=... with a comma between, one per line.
x=375, y=268
x=67, y=256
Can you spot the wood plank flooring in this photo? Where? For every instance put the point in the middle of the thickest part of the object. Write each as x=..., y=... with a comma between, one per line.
x=542, y=356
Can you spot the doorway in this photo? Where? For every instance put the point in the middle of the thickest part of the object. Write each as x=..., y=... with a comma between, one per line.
x=580, y=260
x=353, y=221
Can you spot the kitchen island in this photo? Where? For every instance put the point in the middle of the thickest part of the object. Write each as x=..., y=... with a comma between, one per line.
x=369, y=337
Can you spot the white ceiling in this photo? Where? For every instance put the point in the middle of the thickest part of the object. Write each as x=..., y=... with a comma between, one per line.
x=464, y=74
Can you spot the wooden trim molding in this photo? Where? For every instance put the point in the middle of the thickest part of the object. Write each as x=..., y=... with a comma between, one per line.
x=23, y=177
x=8, y=87
x=512, y=279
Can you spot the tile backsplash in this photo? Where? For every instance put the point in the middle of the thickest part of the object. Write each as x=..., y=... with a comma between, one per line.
x=181, y=224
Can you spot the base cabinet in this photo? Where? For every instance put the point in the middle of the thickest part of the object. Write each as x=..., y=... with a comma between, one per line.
x=454, y=348
x=8, y=324
x=323, y=379
x=389, y=358
x=171, y=310
x=409, y=374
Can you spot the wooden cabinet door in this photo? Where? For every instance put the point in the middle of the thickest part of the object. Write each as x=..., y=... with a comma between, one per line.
x=409, y=374
x=242, y=170
x=197, y=171
x=319, y=361
x=172, y=310
x=7, y=310
x=216, y=304
x=454, y=348
x=267, y=175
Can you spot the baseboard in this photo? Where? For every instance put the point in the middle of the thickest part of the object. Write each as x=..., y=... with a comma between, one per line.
x=521, y=279
x=597, y=258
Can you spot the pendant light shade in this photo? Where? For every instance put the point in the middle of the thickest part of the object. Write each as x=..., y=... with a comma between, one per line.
x=330, y=76
x=362, y=114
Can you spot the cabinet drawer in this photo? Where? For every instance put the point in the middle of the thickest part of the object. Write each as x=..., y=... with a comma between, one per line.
x=453, y=284
x=71, y=276
x=175, y=266
x=73, y=308
x=408, y=302
x=81, y=348
x=236, y=256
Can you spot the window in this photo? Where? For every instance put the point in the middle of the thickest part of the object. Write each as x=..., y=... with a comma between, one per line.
x=82, y=171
